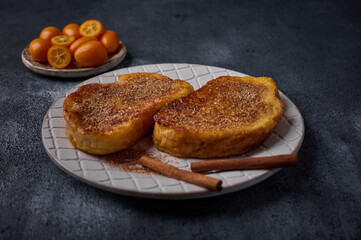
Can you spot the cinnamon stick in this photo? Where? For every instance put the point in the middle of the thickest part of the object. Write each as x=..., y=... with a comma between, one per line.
x=210, y=183
x=246, y=163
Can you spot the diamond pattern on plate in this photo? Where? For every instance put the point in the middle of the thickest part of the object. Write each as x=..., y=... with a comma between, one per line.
x=98, y=176
x=200, y=71
x=63, y=143
x=171, y=74
x=136, y=69
x=107, y=79
x=57, y=122
x=186, y=74
x=66, y=154
x=151, y=68
x=59, y=103
x=74, y=165
x=92, y=169
x=116, y=174
x=91, y=165
x=166, y=67
x=56, y=113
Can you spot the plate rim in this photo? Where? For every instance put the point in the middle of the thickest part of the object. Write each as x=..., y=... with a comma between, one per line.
x=161, y=195
x=75, y=73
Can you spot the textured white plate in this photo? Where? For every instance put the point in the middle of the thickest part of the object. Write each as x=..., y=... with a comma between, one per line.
x=73, y=70
x=97, y=171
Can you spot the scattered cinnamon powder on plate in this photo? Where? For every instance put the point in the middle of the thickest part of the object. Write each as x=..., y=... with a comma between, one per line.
x=127, y=160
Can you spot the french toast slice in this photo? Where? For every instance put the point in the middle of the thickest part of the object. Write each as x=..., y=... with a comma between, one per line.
x=227, y=116
x=106, y=118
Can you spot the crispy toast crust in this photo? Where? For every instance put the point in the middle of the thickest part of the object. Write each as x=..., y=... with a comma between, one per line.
x=227, y=116
x=105, y=118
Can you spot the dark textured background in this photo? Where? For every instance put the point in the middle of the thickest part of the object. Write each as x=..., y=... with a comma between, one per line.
x=311, y=49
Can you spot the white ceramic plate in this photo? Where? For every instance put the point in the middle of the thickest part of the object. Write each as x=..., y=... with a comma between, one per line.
x=99, y=172
x=74, y=70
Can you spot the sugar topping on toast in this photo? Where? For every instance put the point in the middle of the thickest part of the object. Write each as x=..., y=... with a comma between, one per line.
x=99, y=107
x=222, y=103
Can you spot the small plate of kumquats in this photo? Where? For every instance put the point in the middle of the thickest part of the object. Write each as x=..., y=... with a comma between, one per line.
x=77, y=51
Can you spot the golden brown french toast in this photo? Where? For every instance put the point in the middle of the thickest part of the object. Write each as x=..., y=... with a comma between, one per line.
x=106, y=118
x=227, y=116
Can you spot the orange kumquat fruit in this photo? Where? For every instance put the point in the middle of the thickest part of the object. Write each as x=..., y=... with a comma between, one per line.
x=91, y=28
x=59, y=56
x=90, y=54
x=72, y=29
x=77, y=43
x=38, y=49
x=49, y=32
x=110, y=41
x=63, y=40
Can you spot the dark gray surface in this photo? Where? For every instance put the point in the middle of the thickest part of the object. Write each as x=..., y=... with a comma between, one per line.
x=311, y=49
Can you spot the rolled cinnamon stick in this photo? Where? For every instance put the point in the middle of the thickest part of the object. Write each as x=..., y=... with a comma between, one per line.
x=211, y=183
x=246, y=163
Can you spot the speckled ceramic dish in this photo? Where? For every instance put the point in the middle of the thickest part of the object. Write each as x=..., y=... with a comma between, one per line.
x=74, y=70
x=104, y=173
